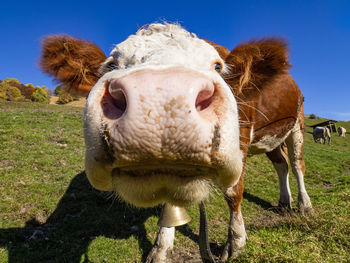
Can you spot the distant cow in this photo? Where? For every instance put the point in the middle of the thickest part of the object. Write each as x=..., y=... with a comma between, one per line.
x=321, y=133
x=169, y=113
x=341, y=131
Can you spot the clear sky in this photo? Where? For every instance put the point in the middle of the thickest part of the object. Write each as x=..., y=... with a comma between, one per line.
x=318, y=33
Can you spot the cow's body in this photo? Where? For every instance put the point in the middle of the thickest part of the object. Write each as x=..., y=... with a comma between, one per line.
x=341, y=131
x=321, y=134
x=267, y=121
x=161, y=108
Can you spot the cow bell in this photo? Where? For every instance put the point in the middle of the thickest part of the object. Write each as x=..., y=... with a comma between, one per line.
x=173, y=216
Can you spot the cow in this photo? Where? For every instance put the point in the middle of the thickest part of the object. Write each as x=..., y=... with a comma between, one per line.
x=170, y=114
x=321, y=134
x=341, y=131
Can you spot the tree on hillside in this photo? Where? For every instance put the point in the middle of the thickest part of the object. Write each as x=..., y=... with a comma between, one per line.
x=10, y=92
x=26, y=90
x=312, y=116
x=2, y=92
x=41, y=94
x=57, y=90
x=12, y=80
x=63, y=96
x=11, y=89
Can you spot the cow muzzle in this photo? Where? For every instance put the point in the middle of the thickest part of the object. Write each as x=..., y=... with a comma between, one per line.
x=161, y=132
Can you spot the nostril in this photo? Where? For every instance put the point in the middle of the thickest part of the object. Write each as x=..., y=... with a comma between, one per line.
x=119, y=100
x=204, y=99
x=113, y=102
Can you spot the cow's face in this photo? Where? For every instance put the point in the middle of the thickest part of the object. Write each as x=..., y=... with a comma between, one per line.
x=161, y=124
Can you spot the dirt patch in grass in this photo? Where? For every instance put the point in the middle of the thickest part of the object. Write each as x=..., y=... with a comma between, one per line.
x=77, y=103
x=5, y=164
x=188, y=255
x=184, y=255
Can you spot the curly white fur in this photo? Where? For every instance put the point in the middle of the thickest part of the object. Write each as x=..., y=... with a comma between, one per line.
x=163, y=44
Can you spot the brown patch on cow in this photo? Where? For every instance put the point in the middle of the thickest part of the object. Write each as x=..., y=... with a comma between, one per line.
x=255, y=63
x=267, y=113
x=235, y=196
x=107, y=146
x=284, y=150
x=72, y=62
x=269, y=101
x=279, y=128
x=216, y=138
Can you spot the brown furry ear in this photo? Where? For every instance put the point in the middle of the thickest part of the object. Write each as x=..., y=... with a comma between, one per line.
x=72, y=62
x=256, y=62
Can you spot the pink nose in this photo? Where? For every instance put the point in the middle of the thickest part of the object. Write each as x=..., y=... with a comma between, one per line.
x=159, y=90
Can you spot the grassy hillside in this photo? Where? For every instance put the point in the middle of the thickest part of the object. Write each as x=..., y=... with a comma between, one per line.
x=49, y=212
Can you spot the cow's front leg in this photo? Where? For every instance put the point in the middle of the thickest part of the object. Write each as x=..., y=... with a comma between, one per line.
x=164, y=244
x=236, y=231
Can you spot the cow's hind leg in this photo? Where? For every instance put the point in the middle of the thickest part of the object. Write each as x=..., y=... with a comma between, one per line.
x=236, y=231
x=280, y=161
x=295, y=152
x=163, y=245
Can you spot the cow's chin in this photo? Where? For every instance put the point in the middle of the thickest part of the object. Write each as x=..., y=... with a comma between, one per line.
x=145, y=187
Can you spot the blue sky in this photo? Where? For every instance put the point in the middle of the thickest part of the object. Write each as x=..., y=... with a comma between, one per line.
x=318, y=33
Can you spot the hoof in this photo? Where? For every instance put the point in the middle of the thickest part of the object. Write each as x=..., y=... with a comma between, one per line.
x=285, y=206
x=304, y=203
x=233, y=249
x=306, y=209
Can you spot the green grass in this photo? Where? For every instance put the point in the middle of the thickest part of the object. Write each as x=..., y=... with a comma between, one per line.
x=50, y=213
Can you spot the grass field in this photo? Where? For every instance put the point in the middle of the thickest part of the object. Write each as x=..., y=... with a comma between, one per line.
x=49, y=212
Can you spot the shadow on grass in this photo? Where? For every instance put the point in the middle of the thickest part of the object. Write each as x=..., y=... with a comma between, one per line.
x=257, y=200
x=267, y=205
x=281, y=210
x=81, y=215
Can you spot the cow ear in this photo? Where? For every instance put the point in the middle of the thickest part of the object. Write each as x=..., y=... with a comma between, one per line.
x=73, y=62
x=255, y=63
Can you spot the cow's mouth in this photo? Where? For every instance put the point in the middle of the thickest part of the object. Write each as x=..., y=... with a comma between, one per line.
x=184, y=171
x=147, y=186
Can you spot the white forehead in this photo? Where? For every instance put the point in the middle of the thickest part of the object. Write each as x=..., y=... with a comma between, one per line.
x=164, y=44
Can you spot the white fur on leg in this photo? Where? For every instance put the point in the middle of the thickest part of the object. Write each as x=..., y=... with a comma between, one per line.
x=295, y=144
x=304, y=201
x=163, y=245
x=236, y=236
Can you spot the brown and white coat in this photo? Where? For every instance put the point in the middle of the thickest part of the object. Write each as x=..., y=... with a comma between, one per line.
x=242, y=102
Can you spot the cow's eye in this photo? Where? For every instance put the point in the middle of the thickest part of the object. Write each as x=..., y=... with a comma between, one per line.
x=218, y=67
x=111, y=66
